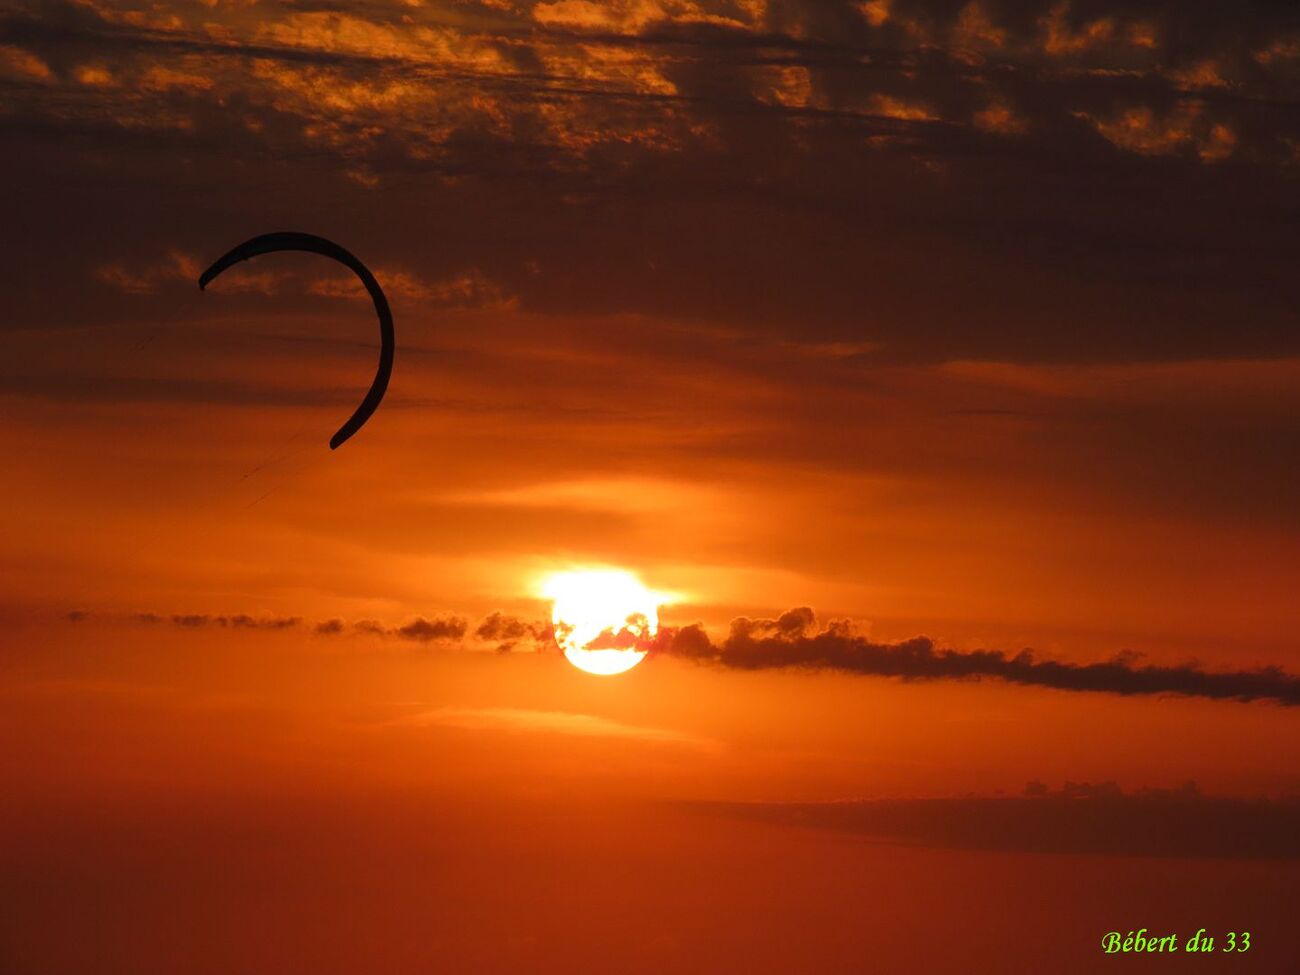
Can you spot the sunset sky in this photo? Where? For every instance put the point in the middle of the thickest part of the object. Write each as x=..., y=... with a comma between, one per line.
x=841, y=325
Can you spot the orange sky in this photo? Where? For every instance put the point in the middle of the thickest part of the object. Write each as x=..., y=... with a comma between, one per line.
x=966, y=320
x=1077, y=509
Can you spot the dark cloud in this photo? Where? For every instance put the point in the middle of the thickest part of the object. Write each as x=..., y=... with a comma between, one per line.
x=440, y=628
x=508, y=631
x=239, y=621
x=790, y=625
x=945, y=179
x=792, y=641
x=420, y=629
x=690, y=641
x=788, y=642
x=1082, y=818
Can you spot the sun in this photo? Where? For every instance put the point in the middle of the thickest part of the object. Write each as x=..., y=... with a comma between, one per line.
x=604, y=619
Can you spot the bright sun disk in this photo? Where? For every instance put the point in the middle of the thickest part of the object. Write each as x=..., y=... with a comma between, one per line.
x=604, y=619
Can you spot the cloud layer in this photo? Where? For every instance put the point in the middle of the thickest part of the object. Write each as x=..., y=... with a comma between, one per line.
x=842, y=154
x=1079, y=819
x=792, y=641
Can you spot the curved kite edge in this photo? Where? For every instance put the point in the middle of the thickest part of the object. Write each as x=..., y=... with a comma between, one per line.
x=311, y=243
x=221, y=264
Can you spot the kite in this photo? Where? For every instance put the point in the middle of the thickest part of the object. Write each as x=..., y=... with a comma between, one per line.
x=293, y=241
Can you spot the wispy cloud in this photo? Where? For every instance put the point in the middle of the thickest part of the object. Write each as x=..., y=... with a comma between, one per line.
x=1079, y=819
x=552, y=722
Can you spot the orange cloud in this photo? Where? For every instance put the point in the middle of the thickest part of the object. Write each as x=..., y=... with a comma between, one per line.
x=627, y=16
x=469, y=289
x=618, y=68
x=975, y=30
x=18, y=62
x=553, y=722
x=1000, y=118
x=161, y=78
x=1202, y=74
x=1060, y=37
x=898, y=108
x=1143, y=34
x=348, y=34
x=146, y=280
x=93, y=75
x=1218, y=144
x=1140, y=130
x=1281, y=49
x=877, y=12
x=786, y=85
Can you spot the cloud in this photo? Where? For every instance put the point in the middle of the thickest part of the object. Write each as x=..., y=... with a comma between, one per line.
x=240, y=621
x=557, y=722
x=790, y=625
x=1081, y=818
x=1000, y=118
x=16, y=62
x=633, y=16
x=1184, y=129
x=175, y=268
x=790, y=641
x=198, y=621
x=1061, y=37
x=466, y=289
x=508, y=631
x=518, y=128
x=421, y=629
x=689, y=641
x=425, y=630
x=469, y=288
x=571, y=75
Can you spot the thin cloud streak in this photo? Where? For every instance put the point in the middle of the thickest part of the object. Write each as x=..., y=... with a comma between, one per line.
x=557, y=722
x=793, y=642
x=790, y=642
x=1088, y=821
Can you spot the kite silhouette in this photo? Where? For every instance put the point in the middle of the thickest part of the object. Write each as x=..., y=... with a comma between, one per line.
x=294, y=241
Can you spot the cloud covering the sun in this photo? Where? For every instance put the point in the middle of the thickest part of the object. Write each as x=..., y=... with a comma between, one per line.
x=793, y=641
x=976, y=318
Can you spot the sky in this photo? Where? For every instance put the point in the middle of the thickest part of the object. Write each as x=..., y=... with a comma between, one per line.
x=937, y=359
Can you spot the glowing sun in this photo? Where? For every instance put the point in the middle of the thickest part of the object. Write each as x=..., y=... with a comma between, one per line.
x=604, y=619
